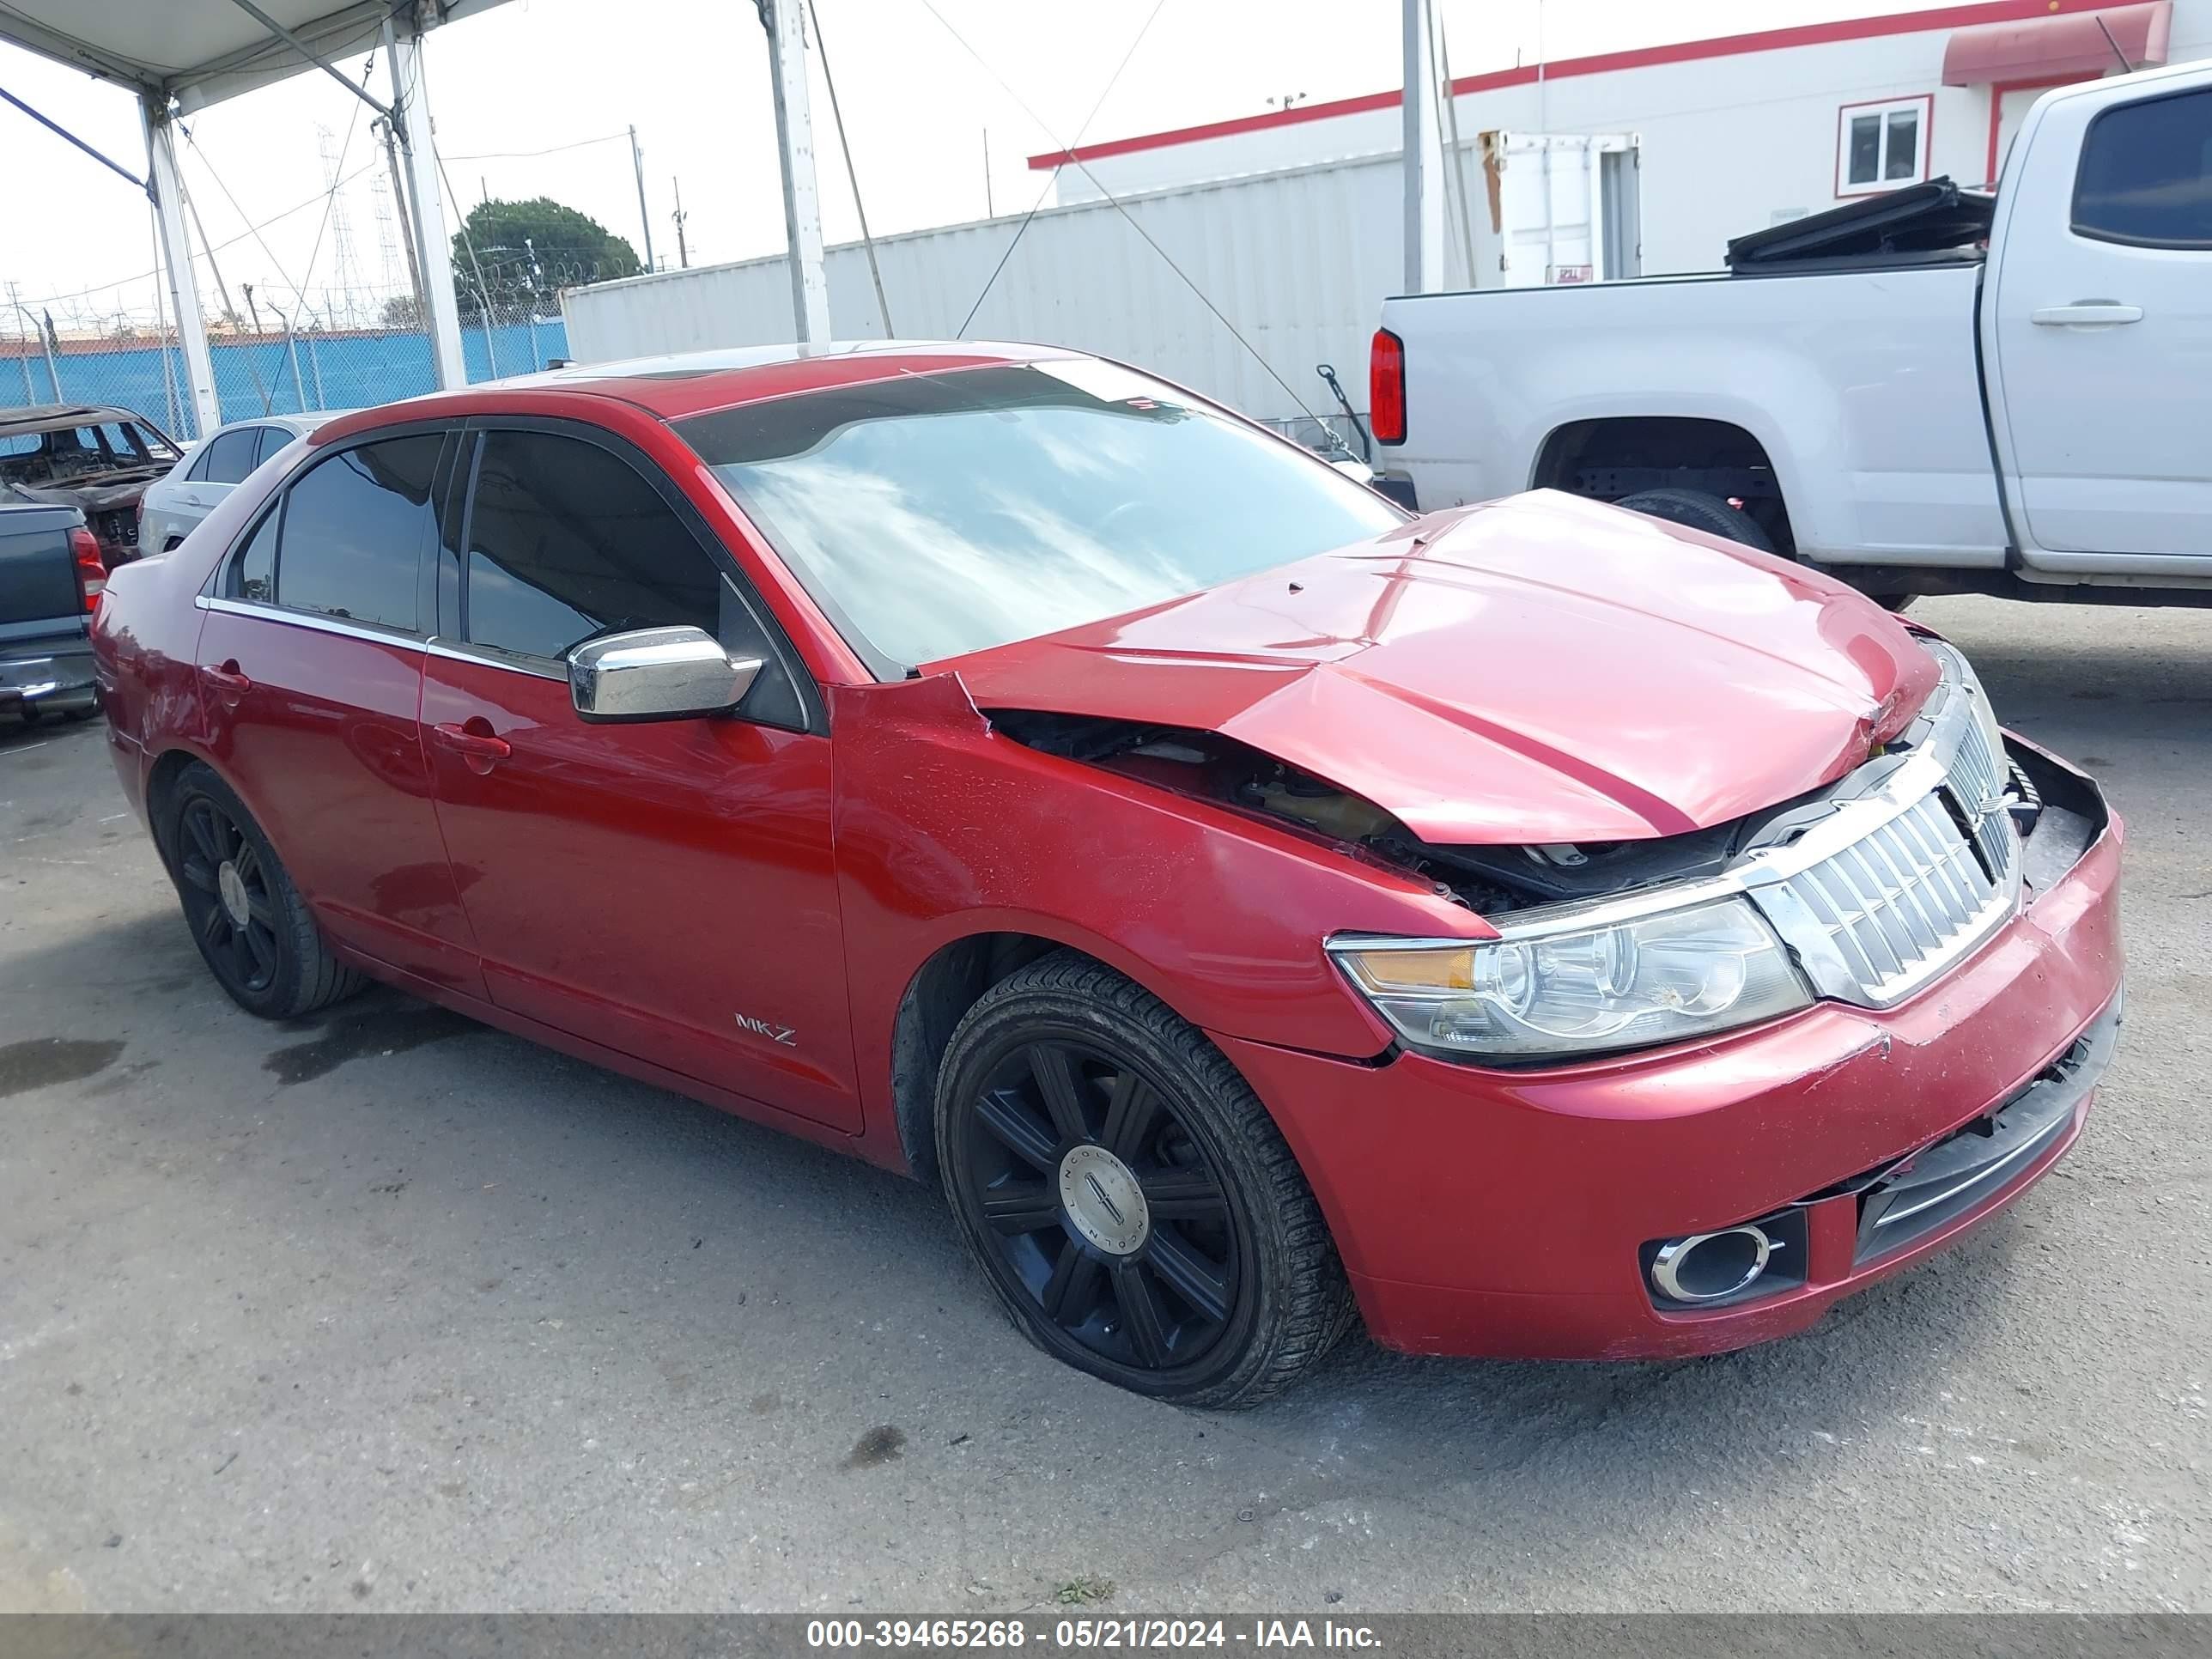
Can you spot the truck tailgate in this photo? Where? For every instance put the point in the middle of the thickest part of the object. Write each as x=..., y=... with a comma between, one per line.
x=38, y=570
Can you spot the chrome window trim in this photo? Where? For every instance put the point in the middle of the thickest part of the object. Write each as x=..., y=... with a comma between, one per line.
x=375, y=633
x=488, y=656
x=1761, y=875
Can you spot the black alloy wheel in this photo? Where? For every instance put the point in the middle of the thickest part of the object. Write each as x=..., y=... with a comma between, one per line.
x=254, y=930
x=227, y=898
x=1133, y=1204
x=1103, y=1205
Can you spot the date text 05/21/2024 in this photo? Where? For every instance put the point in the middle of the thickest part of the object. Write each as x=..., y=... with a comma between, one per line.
x=1088, y=1633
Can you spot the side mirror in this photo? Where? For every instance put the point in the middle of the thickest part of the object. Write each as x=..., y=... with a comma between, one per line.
x=657, y=674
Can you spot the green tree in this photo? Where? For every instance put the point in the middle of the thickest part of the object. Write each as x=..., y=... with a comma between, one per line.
x=535, y=245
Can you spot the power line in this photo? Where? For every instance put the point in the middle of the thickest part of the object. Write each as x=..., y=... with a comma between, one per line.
x=1115, y=202
x=526, y=155
x=1053, y=177
x=251, y=231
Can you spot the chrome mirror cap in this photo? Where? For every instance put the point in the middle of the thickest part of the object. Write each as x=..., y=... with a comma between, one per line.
x=657, y=674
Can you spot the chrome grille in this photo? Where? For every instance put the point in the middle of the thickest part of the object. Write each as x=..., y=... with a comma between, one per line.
x=1893, y=904
x=1886, y=911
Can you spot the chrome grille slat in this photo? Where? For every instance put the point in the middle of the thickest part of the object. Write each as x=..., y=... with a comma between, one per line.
x=1953, y=895
x=1882, y=913
x=1907, y=871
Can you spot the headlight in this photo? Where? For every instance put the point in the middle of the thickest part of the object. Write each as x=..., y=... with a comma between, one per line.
x=1540, y=993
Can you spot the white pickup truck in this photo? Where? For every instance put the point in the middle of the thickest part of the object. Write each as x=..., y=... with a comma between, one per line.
x=1870, y=390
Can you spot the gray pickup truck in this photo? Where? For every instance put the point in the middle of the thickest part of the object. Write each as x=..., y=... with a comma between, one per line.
x=51, y=578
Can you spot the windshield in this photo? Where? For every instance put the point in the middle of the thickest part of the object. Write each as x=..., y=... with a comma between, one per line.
x=941, y=513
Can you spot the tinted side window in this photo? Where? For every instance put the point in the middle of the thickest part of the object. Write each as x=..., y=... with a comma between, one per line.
x=253, y=572
x=354, y=532
x=2146, y=173
x=230, y=455
x=566, y=540
x=197, y=470
x=273, y=438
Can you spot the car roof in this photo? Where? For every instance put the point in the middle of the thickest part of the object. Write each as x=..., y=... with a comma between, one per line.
x=682, y=384
x=44, y=418
x=298, y=421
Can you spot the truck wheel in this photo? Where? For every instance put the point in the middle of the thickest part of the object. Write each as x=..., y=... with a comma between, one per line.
x=1700, y=511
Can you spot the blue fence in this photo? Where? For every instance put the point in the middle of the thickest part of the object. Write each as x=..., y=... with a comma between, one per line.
x=265, y=373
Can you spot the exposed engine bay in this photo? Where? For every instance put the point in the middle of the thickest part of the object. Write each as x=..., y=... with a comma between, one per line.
x=1492, y=880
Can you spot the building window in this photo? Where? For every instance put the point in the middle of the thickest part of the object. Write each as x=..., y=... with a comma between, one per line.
x=1883, y=146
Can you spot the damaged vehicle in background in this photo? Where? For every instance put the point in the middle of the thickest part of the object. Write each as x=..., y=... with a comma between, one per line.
x=88, y=456
x=1533, y=929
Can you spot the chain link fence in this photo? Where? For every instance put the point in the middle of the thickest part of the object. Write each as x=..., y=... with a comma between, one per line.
x=313, y=364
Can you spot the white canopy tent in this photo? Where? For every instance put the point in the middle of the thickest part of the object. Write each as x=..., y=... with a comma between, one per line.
x=180, y=55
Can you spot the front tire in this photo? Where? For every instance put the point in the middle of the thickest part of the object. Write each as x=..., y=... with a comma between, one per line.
x=253, y=928
x=1133, y=1207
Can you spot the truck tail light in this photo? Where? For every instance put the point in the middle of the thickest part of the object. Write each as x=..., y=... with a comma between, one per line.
x=1385, y=387
x=91, y=568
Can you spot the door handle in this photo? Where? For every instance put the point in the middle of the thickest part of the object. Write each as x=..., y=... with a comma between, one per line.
x=477, y=746
x=2094, y=313
x=226, y=678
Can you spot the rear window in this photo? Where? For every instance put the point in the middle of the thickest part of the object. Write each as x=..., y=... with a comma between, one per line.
x=2146, y=173
x=353, y=530
x=229, y=456
x=937, y=514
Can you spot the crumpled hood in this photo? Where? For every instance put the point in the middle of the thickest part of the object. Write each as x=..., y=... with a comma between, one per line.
x=1539, y=669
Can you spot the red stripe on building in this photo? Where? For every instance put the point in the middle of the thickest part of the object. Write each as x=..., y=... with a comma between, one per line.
x=1686, y=52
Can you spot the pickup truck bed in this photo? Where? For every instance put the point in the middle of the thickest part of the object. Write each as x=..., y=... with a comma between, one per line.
x=1869, y=389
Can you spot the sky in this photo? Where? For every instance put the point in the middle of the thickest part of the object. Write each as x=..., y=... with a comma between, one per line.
x=937, y=137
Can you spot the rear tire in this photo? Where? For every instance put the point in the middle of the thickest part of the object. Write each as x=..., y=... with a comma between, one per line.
x=1700, y=510
x=1133, y=1207
x=253, y=928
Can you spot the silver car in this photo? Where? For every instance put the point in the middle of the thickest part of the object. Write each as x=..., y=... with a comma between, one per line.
x=193, y=488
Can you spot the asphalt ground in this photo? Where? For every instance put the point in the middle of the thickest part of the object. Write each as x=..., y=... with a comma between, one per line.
x=390, y=1311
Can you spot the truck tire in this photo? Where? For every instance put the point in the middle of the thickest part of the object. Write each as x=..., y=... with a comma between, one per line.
x=1700, y=511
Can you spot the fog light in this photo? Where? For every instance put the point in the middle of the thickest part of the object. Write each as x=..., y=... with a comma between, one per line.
x=1711, y=1266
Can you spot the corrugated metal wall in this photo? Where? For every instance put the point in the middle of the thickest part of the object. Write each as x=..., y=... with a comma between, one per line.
x=1300, y=261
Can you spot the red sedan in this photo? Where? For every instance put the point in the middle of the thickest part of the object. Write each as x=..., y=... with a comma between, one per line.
x=1536, y=929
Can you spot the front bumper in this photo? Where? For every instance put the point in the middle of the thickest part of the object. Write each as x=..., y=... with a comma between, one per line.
x=1499, y=1213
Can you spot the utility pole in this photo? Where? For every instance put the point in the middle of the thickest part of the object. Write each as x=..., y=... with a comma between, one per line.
x=1424, y=155
x=683, y=254
x=990, y=211
x=794, y=143
x=644, y=218
x=406, y=219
